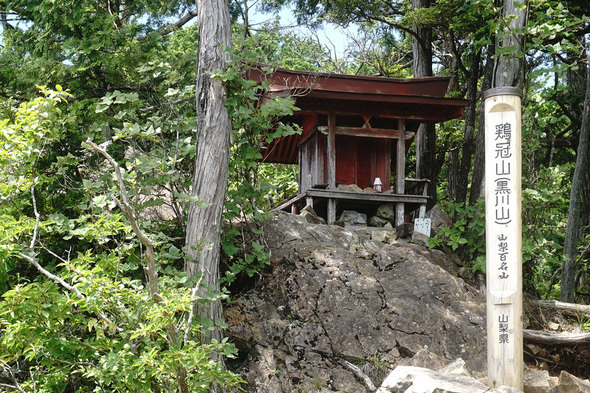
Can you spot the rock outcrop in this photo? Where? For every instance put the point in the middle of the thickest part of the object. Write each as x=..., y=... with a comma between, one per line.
x=424, y=374
x=408, y=379
x=337, y=300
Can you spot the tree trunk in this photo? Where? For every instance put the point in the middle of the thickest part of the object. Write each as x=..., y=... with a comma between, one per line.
x=577, y=86
x=421, y=45
x=477, y=178
x=469, y=134
x=426, y=135
x=453, y=178
x=212, y=159
x=574, y=220
x=510, y=66
x=586, y=195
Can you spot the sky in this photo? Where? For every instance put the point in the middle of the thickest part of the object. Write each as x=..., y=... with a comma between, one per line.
x=331, y=35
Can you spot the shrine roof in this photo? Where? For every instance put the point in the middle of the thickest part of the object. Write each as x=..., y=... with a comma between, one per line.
x=418, y=100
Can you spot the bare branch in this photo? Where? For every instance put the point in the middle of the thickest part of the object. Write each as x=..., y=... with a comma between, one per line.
x=13, y=387
x=53, y=254
x=359, y=374
x=150, y=269
x=8, y=370
x=572, y=309
x=33, y=261
x=171, y=103
x=555, y=338
x=176, y=25
x=37, y=220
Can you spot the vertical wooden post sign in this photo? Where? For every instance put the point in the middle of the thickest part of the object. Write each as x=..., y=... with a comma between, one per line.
x=503, y=236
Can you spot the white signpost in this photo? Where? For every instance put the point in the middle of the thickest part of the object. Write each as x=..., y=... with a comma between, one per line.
x=422, y=225
x=503, y=236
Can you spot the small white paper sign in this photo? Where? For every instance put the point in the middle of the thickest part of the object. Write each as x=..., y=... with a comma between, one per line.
x=422, y=225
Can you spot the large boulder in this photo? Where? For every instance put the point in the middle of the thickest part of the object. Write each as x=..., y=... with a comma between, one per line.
x=375, y=221
x=351, y=218
x=439, y=220
x=571, y=384
x=386, y=212
x=539, y=382
x=311, y=216
x=336, y=296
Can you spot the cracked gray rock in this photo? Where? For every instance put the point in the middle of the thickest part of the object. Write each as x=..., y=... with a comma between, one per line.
x=335, y=294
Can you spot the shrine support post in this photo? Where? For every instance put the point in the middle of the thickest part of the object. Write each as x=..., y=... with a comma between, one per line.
x=503, y=236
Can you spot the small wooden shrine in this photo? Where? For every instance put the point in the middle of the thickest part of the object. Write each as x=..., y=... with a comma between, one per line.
x=355, y=129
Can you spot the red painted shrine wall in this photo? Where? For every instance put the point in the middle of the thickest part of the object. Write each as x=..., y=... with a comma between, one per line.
x=360, y=160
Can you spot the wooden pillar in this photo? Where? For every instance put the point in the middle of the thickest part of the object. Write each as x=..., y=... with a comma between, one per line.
x=401, y=172
x=418, y=142
x=503, y=236
x=331, y=152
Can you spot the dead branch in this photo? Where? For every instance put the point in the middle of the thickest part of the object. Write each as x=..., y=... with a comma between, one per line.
x=574, y=310
x=164, y=30
x=359, y=374
x=150, y=269
x=33, y=261
x=554, y=338
x=8, y=370
x=124, y=204
x=13, y=387
x=170, y=103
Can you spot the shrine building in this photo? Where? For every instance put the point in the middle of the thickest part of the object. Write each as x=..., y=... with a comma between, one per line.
x=356, y=129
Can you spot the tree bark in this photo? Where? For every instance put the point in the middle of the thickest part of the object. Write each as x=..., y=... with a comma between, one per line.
x=212, y=159
x=469, y=134
x=574, y=221
x=477, y=177
x=426, y=135
x=421, y=44
x=453, y=178
x=577, y=86
x=510, y=66
x=586, y=195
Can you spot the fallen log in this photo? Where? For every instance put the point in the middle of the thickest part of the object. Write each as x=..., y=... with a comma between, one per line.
x=555, y=338
x=572, y=309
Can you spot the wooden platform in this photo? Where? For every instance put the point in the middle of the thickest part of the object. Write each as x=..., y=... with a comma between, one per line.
x=365, y=202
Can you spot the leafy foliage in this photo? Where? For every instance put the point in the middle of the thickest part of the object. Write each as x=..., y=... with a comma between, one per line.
x=94, y=325
x=467, y=236
x=545, y=211
x=132, y=87
x=255, y=119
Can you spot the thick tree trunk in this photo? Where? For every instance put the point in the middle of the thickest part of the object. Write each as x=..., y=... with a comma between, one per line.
x=477, y=177
x=212, y=158
x=574, y=221
x=510, y=66
x=426, y=135
x=421, y=45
